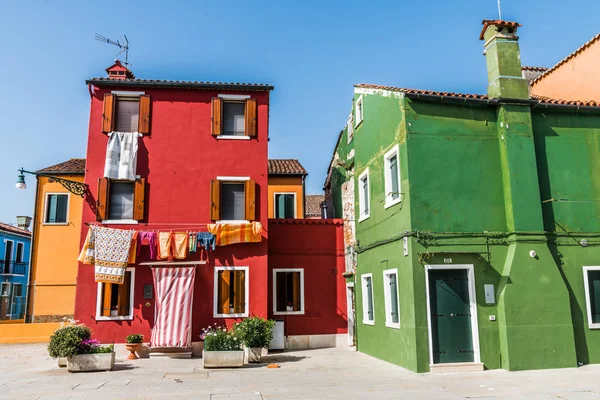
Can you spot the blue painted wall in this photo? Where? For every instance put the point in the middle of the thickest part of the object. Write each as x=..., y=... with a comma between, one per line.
x=13, y=273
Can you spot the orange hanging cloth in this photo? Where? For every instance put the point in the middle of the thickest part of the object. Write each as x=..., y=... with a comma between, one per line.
x=180, y=245
x=236, y=233
x=164, y=245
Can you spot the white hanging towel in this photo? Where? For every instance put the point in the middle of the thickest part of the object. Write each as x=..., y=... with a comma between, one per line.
x=121, y=156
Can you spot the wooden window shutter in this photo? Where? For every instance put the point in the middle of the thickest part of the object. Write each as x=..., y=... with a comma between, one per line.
x=223, y=295
x=123, y=302
x=296, y=290
x=106, y=297
x=102, y=199
x=239, y=290
x=250, y=192
x=250, y=114
x=108, y=117
x=217, y=112
x=215, y=200
x=139, y=193
x=144, y=118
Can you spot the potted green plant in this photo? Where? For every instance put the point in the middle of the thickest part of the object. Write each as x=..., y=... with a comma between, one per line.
x=65, y=341
x=133, y=343
x=92, y=356
x=222, y=348
x=256, y=334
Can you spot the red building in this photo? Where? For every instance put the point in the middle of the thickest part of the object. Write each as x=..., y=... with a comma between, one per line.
x=202, y=152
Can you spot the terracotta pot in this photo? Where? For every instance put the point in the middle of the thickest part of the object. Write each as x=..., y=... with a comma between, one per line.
x=132, y=348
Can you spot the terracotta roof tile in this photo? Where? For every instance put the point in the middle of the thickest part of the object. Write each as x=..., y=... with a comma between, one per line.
x=74, y=166
x=567, y=58
x=286, y=167
x=313, y=204
x=531, y=73
x=497, y=22
x=14, y=229
x=581, y=103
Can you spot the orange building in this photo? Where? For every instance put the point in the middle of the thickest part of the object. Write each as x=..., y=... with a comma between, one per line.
x=286, y=189
x=56, y=237
x=575, y=77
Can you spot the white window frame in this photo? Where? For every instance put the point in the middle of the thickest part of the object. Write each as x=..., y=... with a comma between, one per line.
x=387, y=174
x=2, y=286
x=365, y=305
x=129, y=316
x=13, y=290
x=388, y=298
x=216, y=292
x=357, y=120
x=361, y=197
x=350, y=129
x=234, y=97
x=275, y=203
x=46, y=208
x=233, y=179
x=586, y=281
x=275, y=271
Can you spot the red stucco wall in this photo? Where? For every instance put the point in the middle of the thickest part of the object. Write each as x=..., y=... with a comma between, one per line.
x=179, y=159
x=318, y=247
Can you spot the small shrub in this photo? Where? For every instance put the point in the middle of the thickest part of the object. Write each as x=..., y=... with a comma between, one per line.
x=218, y=338
x=255, y=331
x=66, y=340
x=93, y=346
x=135, y=338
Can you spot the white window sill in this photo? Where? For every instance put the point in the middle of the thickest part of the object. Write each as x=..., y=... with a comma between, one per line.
x=55, y=223
x=358, y=124
x=365, y=322
x=104, y=318
x=232, y=137
x=363, y=217
x=395, y=325
x=288, y=312
x=233, y=222
x=594, y=325
x=120, y=222
x=244, y=315
x=391, y=202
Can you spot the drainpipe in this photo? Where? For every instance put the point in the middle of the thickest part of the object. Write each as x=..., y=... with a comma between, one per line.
x=30, y=289
x=303, y=196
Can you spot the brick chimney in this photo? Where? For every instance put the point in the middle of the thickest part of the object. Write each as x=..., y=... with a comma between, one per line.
x=119, y=72
x=503, y=58
x=23, y=222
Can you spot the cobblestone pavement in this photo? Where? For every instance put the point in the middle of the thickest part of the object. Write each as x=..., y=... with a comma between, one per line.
x=26, y=372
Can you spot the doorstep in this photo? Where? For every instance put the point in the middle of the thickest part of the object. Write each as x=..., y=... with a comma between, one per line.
x=171, y=352
x=456, y=367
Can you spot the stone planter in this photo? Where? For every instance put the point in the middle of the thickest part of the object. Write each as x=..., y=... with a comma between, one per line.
x=253, y=354
x=62, y=362
x=222, y=359
x=91, y=362
x=132, y=348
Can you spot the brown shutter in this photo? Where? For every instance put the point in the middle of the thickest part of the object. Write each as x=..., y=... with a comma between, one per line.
x=139, y=192
x=239, y=290
x=144, y=119
x=215, y=200
x=250, y=114
x=250, y=192
x=102, y=199
x=217, y=111
x=123, y=301
x=108, y=120
x=223, y=295
x=106, y=297
x=296, y=290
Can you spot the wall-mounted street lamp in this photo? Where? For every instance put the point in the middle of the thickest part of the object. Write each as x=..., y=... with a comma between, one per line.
x=74, y=187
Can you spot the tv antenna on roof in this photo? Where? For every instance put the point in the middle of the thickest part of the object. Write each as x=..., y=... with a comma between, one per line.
x=499, y=11
x=123, y=45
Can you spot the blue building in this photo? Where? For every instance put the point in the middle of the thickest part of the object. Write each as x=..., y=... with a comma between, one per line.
x=14, y=270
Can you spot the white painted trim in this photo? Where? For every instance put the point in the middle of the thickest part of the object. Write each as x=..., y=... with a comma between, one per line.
x=275, y=270
x=232, y=137
x=380, y=92
x=387, y=177
x=234, y=96
x=365, y=306
x=100, y=317
x=126, y=93
x=233, y=178
x=357, y=120
x=120, y=222
x=588, y=305
x=473, y=306
x=2, y=291
x=46, y=208
x=350, y=128
x=275, y=203
x=388, y=298
x=349, y=284
x=216, y=292
x=361, y=199
x=13, y=290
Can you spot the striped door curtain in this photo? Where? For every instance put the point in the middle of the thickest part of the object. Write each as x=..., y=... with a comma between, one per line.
x=174, y=297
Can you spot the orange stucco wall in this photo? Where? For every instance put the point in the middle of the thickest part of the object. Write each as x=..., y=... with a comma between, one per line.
x=283, y=184
x=577, y=79
x=26, y=333
x=54, y=259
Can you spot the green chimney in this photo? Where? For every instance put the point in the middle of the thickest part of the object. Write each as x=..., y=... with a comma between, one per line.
x=503, y=59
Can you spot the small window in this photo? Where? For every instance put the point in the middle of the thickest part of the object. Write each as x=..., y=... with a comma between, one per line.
x=233, y=205
x=56, y=208
x=285, y=205
x=359, y=111
x=231, y=291
x=233, y=118
x=367, y=299
x=17, y=290
x=591, y=277
x=116, y=301
x=350, y=126
x=363, y=195
x=390, y=288
x=392, y=177
x=127, y=114
x=5, y=289
x=288, y=291
x=120, y=200
x=20, y=251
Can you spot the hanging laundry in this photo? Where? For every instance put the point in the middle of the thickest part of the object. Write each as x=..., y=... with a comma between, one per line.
x=207, y=240
x=149, y=238
x=87, y=251
x=180, y=245
x=109, y=251
x=236, y=233
x=121, y=156
x=134, y=247
x=164, y=245
x=193, y=240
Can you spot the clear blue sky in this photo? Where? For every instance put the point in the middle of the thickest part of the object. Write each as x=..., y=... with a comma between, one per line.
x=312, y=51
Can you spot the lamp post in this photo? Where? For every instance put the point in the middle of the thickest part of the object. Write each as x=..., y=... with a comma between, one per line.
x=74, y=187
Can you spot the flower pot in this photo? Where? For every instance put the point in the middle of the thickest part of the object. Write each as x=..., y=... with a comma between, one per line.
x=62, y=362
x=222, y=359
x=91, y=362
x=253, y=354
x=132, y=348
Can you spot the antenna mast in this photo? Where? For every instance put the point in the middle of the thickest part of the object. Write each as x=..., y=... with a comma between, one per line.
x=499, y=10
x=123, y=46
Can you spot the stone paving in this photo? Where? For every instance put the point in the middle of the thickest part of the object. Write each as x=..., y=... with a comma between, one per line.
x=26, y=372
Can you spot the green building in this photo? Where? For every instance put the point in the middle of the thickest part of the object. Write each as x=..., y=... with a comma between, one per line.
x=473, y=229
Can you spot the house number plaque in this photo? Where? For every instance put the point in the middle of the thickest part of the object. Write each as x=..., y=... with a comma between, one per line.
x=447, y=261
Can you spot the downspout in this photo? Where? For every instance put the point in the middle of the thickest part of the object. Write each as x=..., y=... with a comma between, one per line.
x=30, y=289
x=303, y=197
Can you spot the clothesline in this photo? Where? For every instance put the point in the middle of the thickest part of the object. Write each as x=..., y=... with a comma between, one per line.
x=158, y=224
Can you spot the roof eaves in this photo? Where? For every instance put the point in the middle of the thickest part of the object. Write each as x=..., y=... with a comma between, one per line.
x=179, y=84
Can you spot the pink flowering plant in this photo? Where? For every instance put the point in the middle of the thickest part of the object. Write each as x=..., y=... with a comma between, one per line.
x=218, y=338
x=93, y=346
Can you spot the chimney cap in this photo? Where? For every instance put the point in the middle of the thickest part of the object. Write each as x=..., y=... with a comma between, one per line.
x=119, y=71
x=496, y=22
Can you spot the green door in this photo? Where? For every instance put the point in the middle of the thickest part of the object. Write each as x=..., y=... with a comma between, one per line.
x=451, y=335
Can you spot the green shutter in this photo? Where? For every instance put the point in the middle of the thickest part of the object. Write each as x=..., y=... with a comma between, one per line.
x=52, y=205
x=394, y=177
x=394, y=298
x=369, y=300
x=290, y=207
